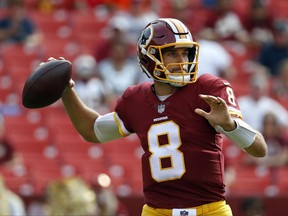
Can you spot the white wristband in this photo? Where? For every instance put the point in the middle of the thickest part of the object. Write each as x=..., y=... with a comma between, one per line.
x=243, y=135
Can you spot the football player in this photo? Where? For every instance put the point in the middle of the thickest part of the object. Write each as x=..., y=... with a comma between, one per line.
x=179, y=119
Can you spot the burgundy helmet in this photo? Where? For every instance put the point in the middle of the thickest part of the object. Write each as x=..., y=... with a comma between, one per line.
x=161, y=34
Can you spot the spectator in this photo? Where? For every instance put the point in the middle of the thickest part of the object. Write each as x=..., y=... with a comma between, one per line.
x=119, y=70
x=17, y=27
x=258, y=102
x=10, y=203
x=108, y=202
x=90, y=86
x=71, y=196
x=37, y=206
x=9, y=159
x=138, y=15
x=280, y=84
x=252, y=206
x=181, y=10
x=272, y=54
x=214, y=58
x=226, y=23
x=277, y=142
x=259, y=23
x=117, y=29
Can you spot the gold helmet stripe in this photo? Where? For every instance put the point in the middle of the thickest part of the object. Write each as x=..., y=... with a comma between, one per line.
x=180, y=28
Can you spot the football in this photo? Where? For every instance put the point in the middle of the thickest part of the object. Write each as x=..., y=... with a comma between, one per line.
x=46, y=84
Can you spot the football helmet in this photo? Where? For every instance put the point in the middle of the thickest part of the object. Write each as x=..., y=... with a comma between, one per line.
x=162, y=34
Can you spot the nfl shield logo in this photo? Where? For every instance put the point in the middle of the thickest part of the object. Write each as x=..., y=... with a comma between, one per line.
x=184, y=213
x=161, y=108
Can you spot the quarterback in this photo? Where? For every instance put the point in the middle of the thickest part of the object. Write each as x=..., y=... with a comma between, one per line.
x=180, y=120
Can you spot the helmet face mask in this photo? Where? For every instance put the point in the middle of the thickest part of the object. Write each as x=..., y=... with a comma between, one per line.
x=159, y=36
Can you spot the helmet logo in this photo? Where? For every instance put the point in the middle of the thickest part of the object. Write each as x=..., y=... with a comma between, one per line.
x=145, y=37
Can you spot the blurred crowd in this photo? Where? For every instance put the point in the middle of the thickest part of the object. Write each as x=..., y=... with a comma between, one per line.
x=244, y=42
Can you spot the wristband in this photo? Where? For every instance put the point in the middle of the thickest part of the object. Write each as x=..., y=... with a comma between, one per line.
x=243, y=135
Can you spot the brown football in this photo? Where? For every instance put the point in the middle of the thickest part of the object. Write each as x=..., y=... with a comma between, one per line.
x=46, y=84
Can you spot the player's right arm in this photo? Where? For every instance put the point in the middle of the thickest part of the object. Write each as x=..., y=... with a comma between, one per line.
x=92, y=126
x=81, y=116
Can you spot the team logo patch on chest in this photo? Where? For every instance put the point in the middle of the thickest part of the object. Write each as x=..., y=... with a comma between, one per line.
x=161, y=108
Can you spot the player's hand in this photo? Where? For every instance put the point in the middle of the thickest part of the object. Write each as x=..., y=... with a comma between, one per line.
x=218, y=114
x=52, y=59
x=71, y=83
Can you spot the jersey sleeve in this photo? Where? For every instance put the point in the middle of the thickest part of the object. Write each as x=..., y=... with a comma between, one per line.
x=221, y=88
x=120, y=113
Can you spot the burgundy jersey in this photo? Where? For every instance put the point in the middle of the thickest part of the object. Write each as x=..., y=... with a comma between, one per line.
x=182, y=164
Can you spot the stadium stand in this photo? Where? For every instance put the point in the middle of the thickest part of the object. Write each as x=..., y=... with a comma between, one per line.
x=51, y=147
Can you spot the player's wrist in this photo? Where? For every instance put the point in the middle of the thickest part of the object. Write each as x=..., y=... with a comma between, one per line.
x=230, y=126
x=243, y=135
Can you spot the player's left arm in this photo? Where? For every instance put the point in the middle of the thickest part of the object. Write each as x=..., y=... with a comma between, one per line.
x=226, y=119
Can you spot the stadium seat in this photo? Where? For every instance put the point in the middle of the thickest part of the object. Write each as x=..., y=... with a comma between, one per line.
x=57, y=121
x=56, y=47
x=40, y=178
x=6, y=88
x=88, y=168
x=282, y=179
x=279, y=8
x=20, y=184
x=27, y=131
x=44, y=160
x=71, y=143
x=50, y=22
x=88, y=22
x=29, y=144
x=233, y=155
x=250, y=181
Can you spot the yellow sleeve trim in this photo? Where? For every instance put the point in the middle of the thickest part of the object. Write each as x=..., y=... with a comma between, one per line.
x=121, y=131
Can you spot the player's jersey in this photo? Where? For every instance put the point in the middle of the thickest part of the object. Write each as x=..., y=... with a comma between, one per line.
x=182, y=165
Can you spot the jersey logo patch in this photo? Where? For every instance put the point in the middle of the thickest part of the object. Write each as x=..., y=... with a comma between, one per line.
x=184, y=212
x=161, y=108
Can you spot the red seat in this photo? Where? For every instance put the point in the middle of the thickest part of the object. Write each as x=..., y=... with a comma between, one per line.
x=234, y=156
x=20, y=184
x=250, y=180
x=26, y=132
x=45, y=160
x=6, y=88
x=88, y=168
x=59, y=123
x=71, y=143
x=42, y=177
x=50, y=22
x=282, y=179
x=59, y=47
x=87, y=22
x=29, y=144
x=279, y=9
